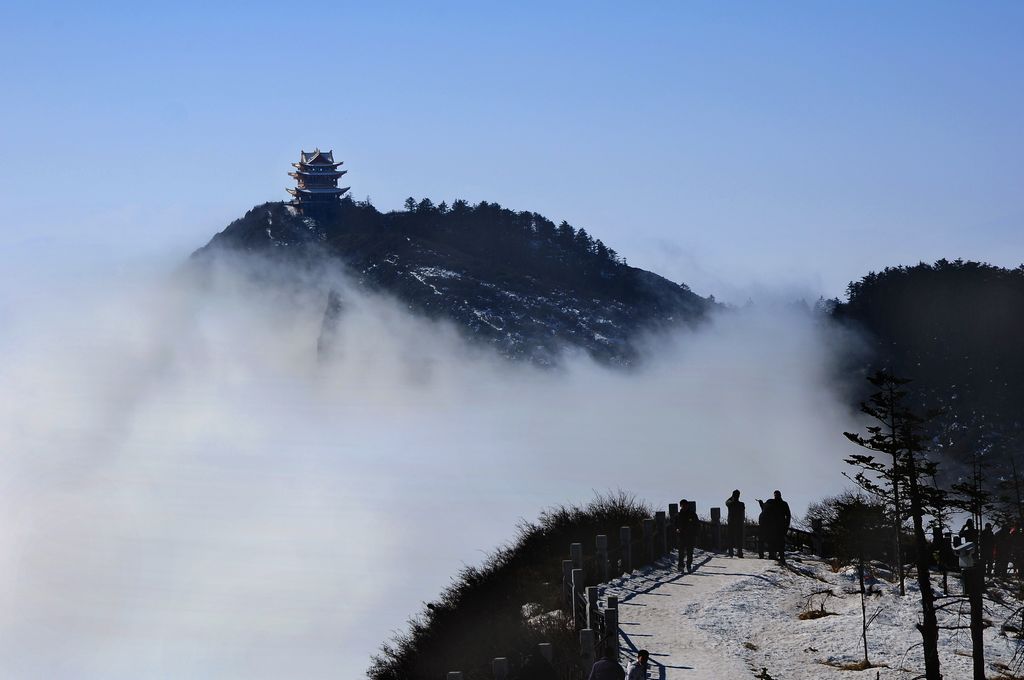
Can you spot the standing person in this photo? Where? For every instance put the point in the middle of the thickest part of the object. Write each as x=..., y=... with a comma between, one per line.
x=737, y=515
x=1015, y=549
x=687, y=525
x=762, y=530
x=968, y=532
x=766, y=528
x=638, y=669
x=1001, y=543
x=988, y=542
x=783, y=519
x=607, y=668
x=538, y=668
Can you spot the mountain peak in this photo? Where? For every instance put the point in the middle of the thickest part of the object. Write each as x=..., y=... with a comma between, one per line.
x=515, y=280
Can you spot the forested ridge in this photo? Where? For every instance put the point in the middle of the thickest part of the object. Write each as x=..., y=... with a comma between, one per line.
x=954, y=328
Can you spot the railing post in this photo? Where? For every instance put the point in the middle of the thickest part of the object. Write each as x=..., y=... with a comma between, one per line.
x=673, y=539
x=592, y=607
x=567, y=583
x=817, y=539
x=547, y=650
x=588, y=653
x=601, y=546
x=659, y=533
x=716, y=529
x=576, y=555
x=500, y=668
x=613, y=602
x=611, y=631
x=578, y=608
x=626, y=549
x=648, y=526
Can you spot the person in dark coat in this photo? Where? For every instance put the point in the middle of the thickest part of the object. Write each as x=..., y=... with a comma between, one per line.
x=1001, y=545
x=765, y=530
x=1016, y=548
x=988, y=542
x=607, y=668
x=538, y=668
x=736, y=517
x=946, y=555
x=687, y=525
x=781, y=519
x=968, y=533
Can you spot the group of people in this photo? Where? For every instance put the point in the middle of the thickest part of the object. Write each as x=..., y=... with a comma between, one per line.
x=609, y=668
x=996, y=549
x=773, y=520
x=773, y=523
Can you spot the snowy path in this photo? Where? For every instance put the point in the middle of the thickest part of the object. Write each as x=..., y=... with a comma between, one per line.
x=733, y=617
x=653, y=615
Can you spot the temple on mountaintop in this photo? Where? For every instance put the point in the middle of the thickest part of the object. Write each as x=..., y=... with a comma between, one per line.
x=316, y=175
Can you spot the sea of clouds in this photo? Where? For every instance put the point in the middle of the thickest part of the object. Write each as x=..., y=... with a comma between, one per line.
x=189, y=489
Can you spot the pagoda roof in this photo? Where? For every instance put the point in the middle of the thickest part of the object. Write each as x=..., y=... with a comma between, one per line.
x=332, y=173
x=317, y=190
x=317, y=157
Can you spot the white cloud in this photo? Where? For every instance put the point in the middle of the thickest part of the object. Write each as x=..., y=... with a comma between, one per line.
x=189, y=492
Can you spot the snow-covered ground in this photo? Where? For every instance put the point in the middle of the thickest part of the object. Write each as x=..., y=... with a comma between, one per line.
x=733, y=617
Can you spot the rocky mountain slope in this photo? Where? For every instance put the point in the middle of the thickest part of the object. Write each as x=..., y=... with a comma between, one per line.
x=514, y=280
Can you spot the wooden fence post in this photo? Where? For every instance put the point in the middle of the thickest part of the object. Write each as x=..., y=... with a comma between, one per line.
x=716, y=529
x=660, y=542
x=592, y=607
x=611, y=631
x=454, y=675
x=648, y=526
x=817, y=538
x=567, y=583
x=579, y=614
x=588, y=653
x=547, y=650
x=613, y=602
x=673, y=539
x=576, y=555
x=601, y=546
x=626, y=549
x=500, y=668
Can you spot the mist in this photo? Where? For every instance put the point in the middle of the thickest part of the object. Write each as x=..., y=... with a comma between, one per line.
x=189, y=490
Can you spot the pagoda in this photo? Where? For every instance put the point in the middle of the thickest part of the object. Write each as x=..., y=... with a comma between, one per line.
x=316, y=175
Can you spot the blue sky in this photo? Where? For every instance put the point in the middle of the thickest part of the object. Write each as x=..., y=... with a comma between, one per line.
x=737, y=147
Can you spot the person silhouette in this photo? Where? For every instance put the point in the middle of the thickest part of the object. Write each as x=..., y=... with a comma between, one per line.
x=736, y=517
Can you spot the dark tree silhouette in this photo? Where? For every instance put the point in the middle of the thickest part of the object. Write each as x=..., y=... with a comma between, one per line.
x=954, y=327
x=899, y=436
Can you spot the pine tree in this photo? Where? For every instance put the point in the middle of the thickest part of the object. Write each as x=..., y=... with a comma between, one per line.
x=899, y=435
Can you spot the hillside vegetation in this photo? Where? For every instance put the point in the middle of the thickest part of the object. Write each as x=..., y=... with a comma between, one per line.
x=508, y=605
x=954, y=328
x=529, y=287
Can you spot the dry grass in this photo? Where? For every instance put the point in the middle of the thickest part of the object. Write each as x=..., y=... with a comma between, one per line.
x=855, y=665
x=815, y=614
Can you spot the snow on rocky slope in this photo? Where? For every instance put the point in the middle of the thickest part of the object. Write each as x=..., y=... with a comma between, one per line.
x=533, y=306
x=733, y=617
